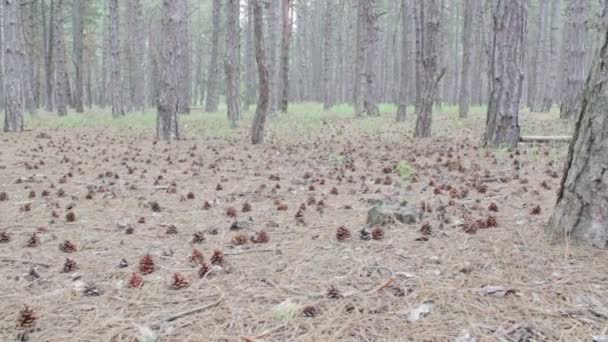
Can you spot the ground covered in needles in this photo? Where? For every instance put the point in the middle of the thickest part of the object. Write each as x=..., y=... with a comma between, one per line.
x=109, y=235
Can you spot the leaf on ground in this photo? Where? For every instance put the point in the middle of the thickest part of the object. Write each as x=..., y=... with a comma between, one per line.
x=418, y=312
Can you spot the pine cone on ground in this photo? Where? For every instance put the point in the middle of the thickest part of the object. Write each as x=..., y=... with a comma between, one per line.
x=204, y=270
x=67, y=247
x=69, y=265
x=27, y=318
x=179, y=281
x=217, y=258
x=377, y=233
x=146, y=264
x=136, y=281
x=334, y=293
x=342, y=234
x=261, y=237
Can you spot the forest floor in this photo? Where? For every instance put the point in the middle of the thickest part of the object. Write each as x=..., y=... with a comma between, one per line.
x=446, y=277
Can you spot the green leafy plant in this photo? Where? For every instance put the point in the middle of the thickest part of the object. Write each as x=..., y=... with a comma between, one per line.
x=404, y=169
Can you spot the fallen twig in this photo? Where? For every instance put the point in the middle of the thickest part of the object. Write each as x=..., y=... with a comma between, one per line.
x=3, y=259
x=186, y=313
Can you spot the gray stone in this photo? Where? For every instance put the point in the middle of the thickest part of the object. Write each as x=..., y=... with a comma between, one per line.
x=388, y=213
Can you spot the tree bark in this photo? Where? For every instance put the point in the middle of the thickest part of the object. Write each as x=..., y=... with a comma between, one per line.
x=61, y=97
x=328, y=32
x=184, y=95
x=232, y=63
x=167, y=124
x=403, y=72
x=285, y=42
x=360, y=52
x=13, y=57
x=257, y=128
x=137, y=54
x=78, y=16
x=581, y=212
x=115, y=74
x=467, y=51
x=575, y=55
x=213, y=74
x=249, y=55
x=370, y=103
x=502, y=127
x=2, y=46
x=48, y=60
x=428, y=74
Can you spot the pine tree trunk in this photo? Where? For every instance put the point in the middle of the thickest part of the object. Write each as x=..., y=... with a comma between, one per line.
x=2, y=46
x=13, y=57
x=259, y=120
x=232, y=63
x=167, y=123
x=184, y=95
x=360, y=53
x=48, y=59
x=285, y=42
x=136, y=55
x=502, y=127
x=115, y=74
x=78, y=15
x=370, y=103
x=213, y=94
x=249, y=55
x=467, y=51
x=551, y=94
x=575, y=44
x=403, y=72
x=328, y=32
x=581, y=212
x=61, y=96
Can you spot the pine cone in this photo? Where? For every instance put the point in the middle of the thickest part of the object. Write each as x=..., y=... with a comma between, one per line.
x=27, y=318
x=33, y=241
x=334, y=293
x=493, y=207
x=155, y=206
x=198, y=237
x=171, y=230
x=239, y=240
x=231, y=212
x=204, y=270
x=4, y=237
x=69, y=265
x=261, y=237
x=377, y=233
x=3, y=197
x=491, y=221
x=197, y=257
x=136, y=281
x=334, y=191
x=217, y=258
x=426, y=229
x=310, y=311
x=146, y=264
x=179, y=281
x=536, y=210
x=206, y=205
x=342, y=234
x=70, y=217
x=67, y=247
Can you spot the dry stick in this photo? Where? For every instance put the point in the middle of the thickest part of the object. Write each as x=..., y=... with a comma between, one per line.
x=186, y=313
x=542, y=139
x=262, y=334
x=4, y=259
x=254, y=251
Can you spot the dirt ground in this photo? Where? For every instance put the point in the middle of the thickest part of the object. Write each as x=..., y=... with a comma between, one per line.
x=447, y=277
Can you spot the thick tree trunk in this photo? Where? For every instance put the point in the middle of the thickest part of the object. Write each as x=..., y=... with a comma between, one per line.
x=257, y=128
x=78, y=16
x=575, y=72
x=285, y=42
x=61, y=96
x=581, y=212
x=213, y=92
x=232, y=63
x=115, y=74
x=551, y=94
x=502, y=127
x=370, y=103
x=48, y=59
x=184, y=95
x=467, y=51
x=13, y=58
x=403, y=72
x=167, y=124
x=428, y=74
x=137, y=54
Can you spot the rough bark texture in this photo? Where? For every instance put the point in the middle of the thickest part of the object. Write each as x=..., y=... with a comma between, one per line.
x=427, y=64
x=467, y=51
x=259, y=120
x=249, y=55
x=184, y=95
x=581, y=212
x=403, y=72
x=286, y=25
x=232, y=62
x=61, y=96
x=2, y=46
x=78, y=46
x=370, y=103
x=137, y=55
x=360, y=52
x=213, y=95
x=502, y=127
x=167, y=124
x=13, y=57
x=575, y=55
x=328, y=32
x=115, y=74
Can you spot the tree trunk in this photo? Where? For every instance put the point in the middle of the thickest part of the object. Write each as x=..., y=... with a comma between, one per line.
x=115, y=74
x=2, y=46
x=370, y=103
x=48, y=60
x=61, y=97
x=257, y=128
x=272, y=16
x=403, y=72
x=249, y=56
x=78, y=16
x=167, y=124
x=213, y=81
x=467, y=51
x=184, y=95
x=551, y=94
x=137, y=54
x=360, y=52
x=232, y=63
x=285, y=42
x=13, y=57
x=575, y=55
x=502, y=127
x=581, y=212
x=327, y=55
x=427, y=60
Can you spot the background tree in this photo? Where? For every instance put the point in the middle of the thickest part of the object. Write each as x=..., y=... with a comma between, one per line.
x=574, y=60
x=78, y=46
x=467, y=51
x=184, y=96
x=13, y=57
x=502, y=127
x=167, y=122
x=61, y=86
x=261, y=111
x=403, y=71
x=370, y=104
x=232, y=61
x=115, y=74
x=213, y=96
x=286, y=27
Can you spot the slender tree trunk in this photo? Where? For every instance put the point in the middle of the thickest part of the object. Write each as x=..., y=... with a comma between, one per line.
x=137, y=51
x=370, y=103
x=285, y=42
x=575, y=55
x=272, y=44
x=551, y=93
x=184, y=96
x=502, y=127
x=249, y=59
x=328, y=91
x=213, y=93
x=13, y=58
x=360, y=54
x=115, y=74
x=257, y=129
x=232, y=63
x=427, y=55
x=78, y=28
x=403, y=72
x=61, y=96
x=581, y=212
x=467, y=51
x=167, y=124
x=2, y=46
x=48, y=60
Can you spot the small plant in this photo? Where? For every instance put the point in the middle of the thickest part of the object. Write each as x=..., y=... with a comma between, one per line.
x=404, y=169
x=146, y=264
